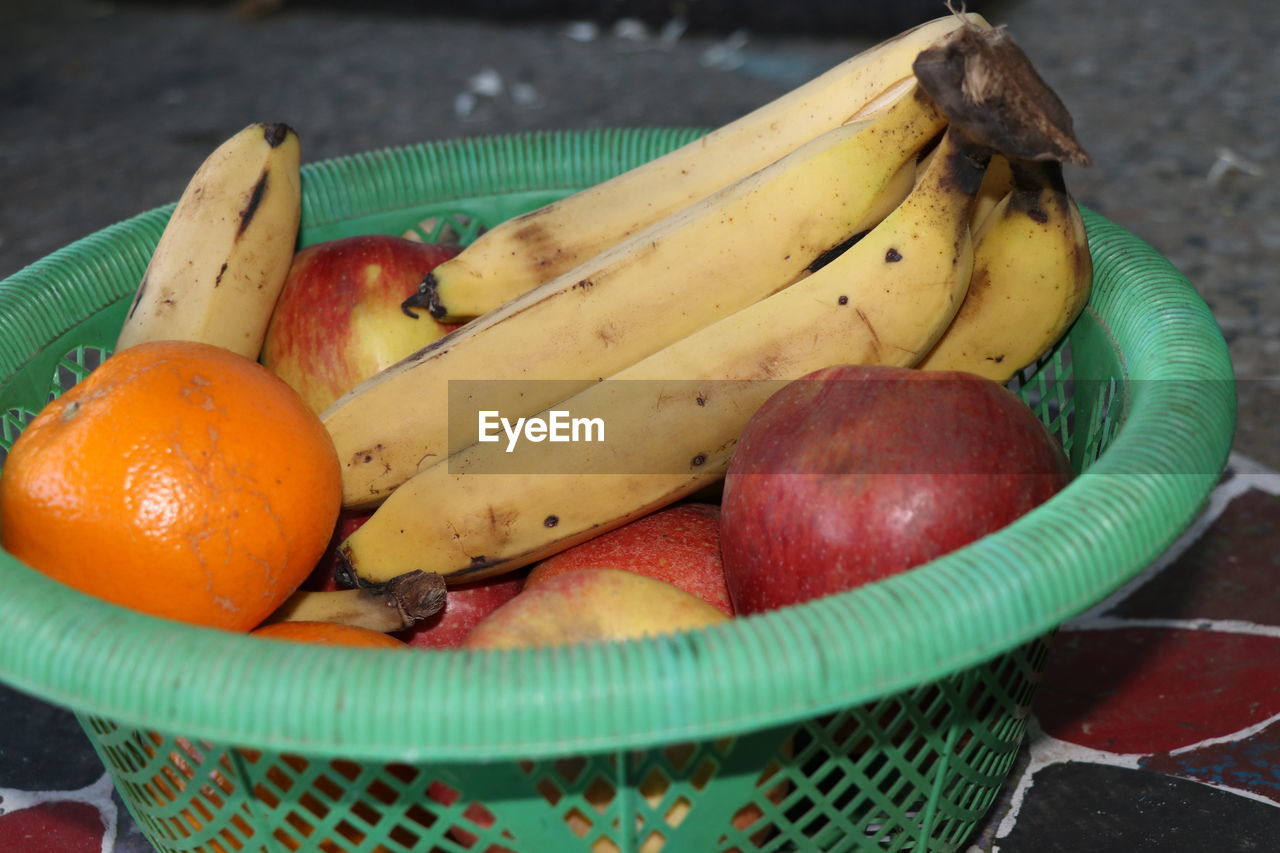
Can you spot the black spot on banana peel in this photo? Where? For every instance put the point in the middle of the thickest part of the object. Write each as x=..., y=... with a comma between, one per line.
x=426, y=297
x=478, y=567
x=986, y=86
x=1034, y=182
x=276, y=133
x=966, y=164
x=137, y=296
x=255, y=200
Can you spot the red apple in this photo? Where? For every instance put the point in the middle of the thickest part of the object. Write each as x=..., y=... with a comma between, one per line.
x=338, y=320
x=679, y=545
x=464, y=608
x=855, y=473
x=475, y=813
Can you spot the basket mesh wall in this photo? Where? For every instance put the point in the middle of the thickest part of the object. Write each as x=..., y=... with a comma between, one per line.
x=912, y=771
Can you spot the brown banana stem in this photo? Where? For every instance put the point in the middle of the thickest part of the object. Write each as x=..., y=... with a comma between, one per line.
x=986, y=86
x=390, y=606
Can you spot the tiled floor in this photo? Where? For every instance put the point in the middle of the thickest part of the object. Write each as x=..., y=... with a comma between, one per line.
x=1157, y=726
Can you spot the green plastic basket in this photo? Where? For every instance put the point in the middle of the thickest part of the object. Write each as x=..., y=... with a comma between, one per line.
x=885, y=718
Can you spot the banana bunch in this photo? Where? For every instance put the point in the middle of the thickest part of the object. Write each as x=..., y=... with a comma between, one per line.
x=527, y=250
x=906, y=208
x=901, y=209
x=723, y=253
x=924, y=222
x=223, y=256
x=674, y=416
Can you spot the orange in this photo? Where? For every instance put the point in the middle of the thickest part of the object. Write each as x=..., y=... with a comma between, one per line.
x=328, y=634
x=178, y=479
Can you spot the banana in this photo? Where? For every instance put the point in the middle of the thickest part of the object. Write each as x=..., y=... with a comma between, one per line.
x=997, y=183
x=223, y=255
x=704, y=262
x=387, y=607
x=672, y=419
x=522, y=252
x=1032, y=274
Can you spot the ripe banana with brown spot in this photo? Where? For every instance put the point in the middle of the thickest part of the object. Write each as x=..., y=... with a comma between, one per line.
x=1032, y=274
x=996, y=184
x=710, y=259
x=671, y=420
x=525, y=251
x=223, y=256
x=397, y=604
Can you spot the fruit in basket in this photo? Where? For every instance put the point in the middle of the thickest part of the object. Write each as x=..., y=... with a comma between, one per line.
x=1032, y=274
x=222, y=258
x=679, y=545
x=856, y=473
x=179, y=479
x=653, y=289
x=592, y=605
x=398, y=604
x=338, y=320
x=882, y=297
x=323, y=576
x=674, y=416
x=527, y=250
x=996, y=184
x=465, y=607
x=327, y=634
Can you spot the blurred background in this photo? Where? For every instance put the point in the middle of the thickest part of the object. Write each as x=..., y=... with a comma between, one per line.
x=106, y=108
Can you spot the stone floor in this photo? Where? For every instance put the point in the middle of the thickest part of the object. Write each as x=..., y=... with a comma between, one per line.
x=1157, y=726
x=105, y=108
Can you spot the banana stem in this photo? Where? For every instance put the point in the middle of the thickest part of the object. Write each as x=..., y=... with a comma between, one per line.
x=985, y=85
x=393, y=605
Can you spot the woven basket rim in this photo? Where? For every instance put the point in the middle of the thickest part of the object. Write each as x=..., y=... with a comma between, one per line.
x=751, y=673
